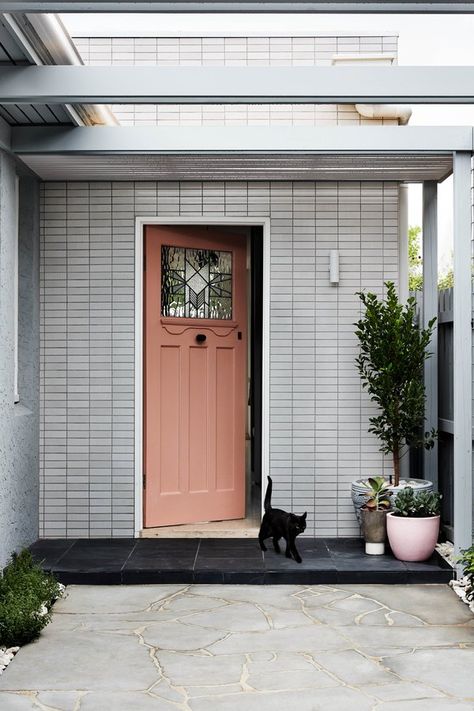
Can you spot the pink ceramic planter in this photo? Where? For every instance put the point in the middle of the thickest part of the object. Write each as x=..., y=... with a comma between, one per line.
x=412, y=539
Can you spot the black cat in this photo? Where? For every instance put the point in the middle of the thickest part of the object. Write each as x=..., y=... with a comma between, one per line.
x=278, y=524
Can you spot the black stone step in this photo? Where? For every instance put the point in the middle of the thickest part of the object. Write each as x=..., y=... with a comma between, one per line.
x=128, y=561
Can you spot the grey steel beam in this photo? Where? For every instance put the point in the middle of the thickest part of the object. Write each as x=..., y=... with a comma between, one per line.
x=235, y=85
x=462, y=360
x=430, y=311
x=5, y=135
x=239, y=139
x=227, y=6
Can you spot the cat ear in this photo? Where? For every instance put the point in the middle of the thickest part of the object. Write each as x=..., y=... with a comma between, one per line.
x=304, y=515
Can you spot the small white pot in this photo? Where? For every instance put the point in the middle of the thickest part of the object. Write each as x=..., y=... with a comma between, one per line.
x=374, y=548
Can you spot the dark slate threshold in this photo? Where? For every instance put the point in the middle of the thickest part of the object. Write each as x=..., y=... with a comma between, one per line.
x=131, y=561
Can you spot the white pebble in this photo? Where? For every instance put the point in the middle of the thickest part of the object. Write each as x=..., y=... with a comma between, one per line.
x=6, y=655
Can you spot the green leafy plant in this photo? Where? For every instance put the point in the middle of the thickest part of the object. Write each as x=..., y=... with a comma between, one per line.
x=26, y=594
x=467, y=561
x=378, y=494
x=416, y=505
x=390, y=363
x=446, y=280
x=415, y=263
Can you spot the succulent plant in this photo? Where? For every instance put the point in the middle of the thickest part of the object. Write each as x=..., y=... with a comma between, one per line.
x=378, y=494
x=416, y=505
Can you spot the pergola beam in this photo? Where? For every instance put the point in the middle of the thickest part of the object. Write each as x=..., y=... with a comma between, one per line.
x=228, y=6
x=236, y=85
x=241, y=139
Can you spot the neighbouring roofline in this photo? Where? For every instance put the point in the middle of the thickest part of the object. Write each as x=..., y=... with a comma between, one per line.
x=297, y=34
x=45, y=41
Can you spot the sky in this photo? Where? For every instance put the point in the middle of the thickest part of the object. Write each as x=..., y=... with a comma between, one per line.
x=423, y=40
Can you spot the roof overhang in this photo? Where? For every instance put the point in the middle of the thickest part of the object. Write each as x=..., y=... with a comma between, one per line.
x=242, y=166
x=227, y=139
x=402, y=153
x=255, y=6
x=43, y=40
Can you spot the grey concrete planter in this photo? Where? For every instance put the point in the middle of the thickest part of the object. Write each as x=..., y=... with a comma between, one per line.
x=358, y=491
x=374, y=530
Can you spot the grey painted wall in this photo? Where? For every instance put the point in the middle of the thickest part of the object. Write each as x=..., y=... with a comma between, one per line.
x=318, y=414
x=19, y=423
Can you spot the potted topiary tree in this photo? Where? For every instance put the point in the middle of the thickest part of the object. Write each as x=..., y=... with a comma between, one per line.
x=413, y=525
x=390, y=363
x=374, y=515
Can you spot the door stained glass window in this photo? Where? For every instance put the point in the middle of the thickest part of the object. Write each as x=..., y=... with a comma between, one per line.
x=196, y=283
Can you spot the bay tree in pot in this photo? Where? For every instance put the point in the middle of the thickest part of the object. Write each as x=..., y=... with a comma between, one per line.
x=413, y=525
x=392, y=353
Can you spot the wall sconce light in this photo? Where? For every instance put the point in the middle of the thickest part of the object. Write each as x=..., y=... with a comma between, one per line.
x=334, y=266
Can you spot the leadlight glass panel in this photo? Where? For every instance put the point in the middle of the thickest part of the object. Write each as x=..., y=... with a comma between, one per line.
x=196, y=283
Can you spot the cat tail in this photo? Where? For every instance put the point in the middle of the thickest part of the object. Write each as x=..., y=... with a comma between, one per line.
x=267, y=504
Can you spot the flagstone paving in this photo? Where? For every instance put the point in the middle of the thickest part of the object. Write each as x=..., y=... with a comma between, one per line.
x=248, y=648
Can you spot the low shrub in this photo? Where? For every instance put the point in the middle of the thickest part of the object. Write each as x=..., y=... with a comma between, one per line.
x=26, y=594
x=467, y=561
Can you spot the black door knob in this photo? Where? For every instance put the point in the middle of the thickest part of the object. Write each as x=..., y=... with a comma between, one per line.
x=200, y=338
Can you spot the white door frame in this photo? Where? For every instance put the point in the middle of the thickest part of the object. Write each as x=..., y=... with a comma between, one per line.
x=140, y=225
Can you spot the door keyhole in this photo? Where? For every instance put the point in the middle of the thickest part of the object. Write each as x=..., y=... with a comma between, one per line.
x=201, y=337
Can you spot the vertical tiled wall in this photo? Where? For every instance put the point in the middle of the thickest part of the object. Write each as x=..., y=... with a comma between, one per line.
x=318, y=415
x=236, y=51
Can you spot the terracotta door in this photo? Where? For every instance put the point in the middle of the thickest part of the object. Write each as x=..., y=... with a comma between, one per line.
x=195, y=375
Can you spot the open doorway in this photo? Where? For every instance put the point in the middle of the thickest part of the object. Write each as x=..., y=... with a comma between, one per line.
x=202, y=387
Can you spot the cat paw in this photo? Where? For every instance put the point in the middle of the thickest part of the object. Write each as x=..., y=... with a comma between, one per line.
x=263, y=548
x=288, y=555
x=299, y=560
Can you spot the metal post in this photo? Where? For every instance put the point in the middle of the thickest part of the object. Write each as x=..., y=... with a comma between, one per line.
x=430, y=310
x=403, y=242
x=403, y=292
x=462, y=347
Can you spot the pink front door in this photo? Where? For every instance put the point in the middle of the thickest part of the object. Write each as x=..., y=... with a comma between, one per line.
x=195, y=375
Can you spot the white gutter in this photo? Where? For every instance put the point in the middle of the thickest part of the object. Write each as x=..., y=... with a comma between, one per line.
x=46, y=41
x=400, y=112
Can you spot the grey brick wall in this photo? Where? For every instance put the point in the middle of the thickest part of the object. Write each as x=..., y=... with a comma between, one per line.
x=235, y=51
x=318, y=415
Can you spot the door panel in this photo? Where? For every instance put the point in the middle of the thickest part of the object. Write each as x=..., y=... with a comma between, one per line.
x=225, y=406
x=195, y=375
x=169, y=418
x=198, y=419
